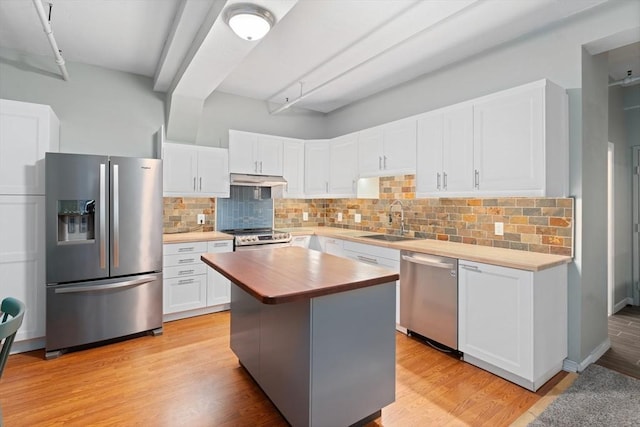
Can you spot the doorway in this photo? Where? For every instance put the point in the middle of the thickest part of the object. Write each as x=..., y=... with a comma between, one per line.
x=611, y=268
x=636, y=221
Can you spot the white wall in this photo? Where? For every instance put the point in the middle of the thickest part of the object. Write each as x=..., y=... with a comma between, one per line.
x=623, y=195
x=101, y=111
x=223, y=111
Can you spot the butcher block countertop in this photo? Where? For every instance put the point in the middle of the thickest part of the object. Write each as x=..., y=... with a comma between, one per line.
x=195, y=236
x=281, y=275
x=522, y=260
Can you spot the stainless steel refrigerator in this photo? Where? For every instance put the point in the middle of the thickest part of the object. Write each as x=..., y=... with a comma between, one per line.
x=104, y=248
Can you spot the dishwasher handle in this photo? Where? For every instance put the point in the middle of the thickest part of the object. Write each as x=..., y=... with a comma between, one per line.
x=445, y=265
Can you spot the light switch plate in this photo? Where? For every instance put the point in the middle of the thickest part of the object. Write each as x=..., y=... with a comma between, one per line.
x=201, y=218
x=339, y=216
x=499, y=229
x=305, y=216
x=358, y=217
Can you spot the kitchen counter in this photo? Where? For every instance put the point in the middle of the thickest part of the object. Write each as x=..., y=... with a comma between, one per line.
x=315, y=331
x=195, y=236
x=522, y=260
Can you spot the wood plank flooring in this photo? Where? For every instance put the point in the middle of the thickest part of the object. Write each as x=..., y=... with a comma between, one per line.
x=624, y=333
x=190, y=377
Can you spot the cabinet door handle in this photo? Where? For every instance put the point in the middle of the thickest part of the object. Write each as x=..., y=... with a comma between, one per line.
x=380, y=162
x=200, y=183
x=470, y=267
x=444, y=180
x=260, y=166
x=186, y=249
x=385, y=162
x=477, y=179
x=185, y=281
x=438, y=180
x=182, y=272
x=326, y=186
x=220, y=245
x=255, y=166
x=186, y=261
x=194, y=183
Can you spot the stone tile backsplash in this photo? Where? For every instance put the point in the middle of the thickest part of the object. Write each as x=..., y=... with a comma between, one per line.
x=180, y=214
x=542, y=225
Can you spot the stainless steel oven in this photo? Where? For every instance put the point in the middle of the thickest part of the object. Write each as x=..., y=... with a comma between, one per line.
x=262, y=238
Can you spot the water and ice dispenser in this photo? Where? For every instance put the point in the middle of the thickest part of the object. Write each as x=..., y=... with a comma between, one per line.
x=76, y=219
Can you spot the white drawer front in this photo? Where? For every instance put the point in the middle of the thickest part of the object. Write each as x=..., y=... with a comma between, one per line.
x=373, y=250
x=220, y=246
x=184, y=270
x=185, y=248
x=178, y=260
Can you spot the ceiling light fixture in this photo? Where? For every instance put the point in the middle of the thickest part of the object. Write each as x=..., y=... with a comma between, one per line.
x=249, y=21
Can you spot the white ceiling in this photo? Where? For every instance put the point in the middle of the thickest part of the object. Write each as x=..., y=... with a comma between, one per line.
x=341, y=50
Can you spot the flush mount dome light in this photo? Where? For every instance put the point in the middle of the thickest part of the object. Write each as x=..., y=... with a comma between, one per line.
x=249, y=21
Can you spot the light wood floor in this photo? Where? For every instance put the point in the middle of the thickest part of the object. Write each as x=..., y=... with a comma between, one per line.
x=624, y=333
x=190, y=377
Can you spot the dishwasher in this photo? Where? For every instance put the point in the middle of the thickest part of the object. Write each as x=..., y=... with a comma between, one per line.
x=429, y=297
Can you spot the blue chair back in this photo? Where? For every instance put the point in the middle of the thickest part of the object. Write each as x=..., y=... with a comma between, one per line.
x=12, y=315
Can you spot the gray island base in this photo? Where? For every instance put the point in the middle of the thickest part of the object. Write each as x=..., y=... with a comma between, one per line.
x=325, y=356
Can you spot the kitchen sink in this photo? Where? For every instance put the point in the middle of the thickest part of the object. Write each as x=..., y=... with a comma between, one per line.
x=387, y=237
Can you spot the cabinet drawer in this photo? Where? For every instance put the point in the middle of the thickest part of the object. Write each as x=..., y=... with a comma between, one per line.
x=220, y=246
x=185, y=248
x=374, y=260
x=184, y=270
x=178, y=260
x=372, y=250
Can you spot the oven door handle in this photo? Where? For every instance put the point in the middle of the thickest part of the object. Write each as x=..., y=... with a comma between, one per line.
x=430, y=263
x=117, y=285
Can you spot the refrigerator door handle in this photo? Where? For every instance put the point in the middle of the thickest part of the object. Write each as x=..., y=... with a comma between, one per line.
x=116, y=220
x=103, y=215
x=90, y=288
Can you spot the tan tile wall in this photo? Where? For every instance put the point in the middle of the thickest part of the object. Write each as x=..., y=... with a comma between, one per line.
x=180, y=214
x=530, y=224
x=288, y=212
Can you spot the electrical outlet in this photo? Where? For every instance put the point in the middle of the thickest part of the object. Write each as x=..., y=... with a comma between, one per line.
x=499, y=229
x=305, y=216
x=201, y=218
x=358, y=218
x=339, y=216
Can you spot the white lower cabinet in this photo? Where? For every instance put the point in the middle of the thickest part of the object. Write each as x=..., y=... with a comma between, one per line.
x=328, y=245
x=22, y=264
x=512, y=322
x=218, y=286
x=190, y=286
x=377, y=255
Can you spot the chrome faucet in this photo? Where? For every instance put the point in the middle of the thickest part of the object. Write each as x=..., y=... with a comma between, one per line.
x=391, y=205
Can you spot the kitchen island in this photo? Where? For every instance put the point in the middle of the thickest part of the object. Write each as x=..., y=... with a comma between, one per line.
x=315, y=331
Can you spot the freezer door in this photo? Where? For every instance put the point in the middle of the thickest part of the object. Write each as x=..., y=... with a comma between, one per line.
x=76, y=222
x=136, y=215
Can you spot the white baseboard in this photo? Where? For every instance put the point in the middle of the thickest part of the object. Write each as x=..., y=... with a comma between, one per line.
x=622, y=304
x=572, y=366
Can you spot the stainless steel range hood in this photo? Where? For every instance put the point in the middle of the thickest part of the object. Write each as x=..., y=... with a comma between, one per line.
x=257, y=180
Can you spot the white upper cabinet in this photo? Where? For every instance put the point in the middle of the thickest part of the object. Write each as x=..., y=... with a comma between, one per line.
x=343, y=166
x=445, y=152
x=190, y=170
x=512, y=136
x=316, y=167
x=293, y=167
x=27, y=132
x=388, y=149
x=512, y=143
x=255, y=154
